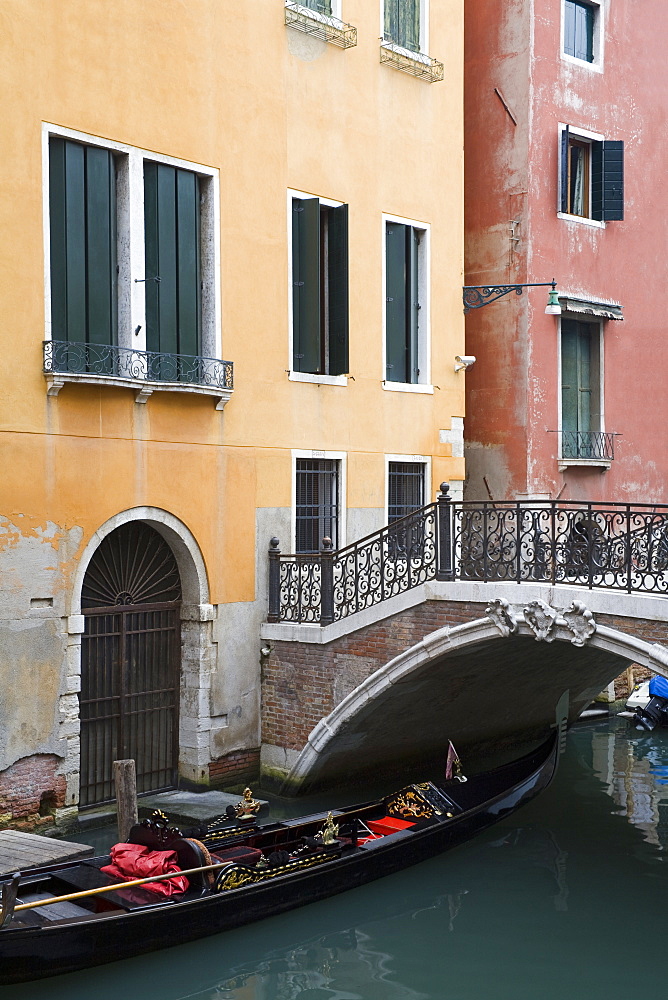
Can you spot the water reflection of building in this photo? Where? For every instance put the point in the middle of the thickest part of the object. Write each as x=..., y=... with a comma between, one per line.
x=634, y=772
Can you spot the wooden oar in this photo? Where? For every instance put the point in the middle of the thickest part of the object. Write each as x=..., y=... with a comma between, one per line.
x=111, y=888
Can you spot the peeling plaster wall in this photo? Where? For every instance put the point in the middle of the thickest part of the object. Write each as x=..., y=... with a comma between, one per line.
x=39, y=688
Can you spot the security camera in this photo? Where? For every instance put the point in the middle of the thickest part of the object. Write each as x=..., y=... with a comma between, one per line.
x=463, y=361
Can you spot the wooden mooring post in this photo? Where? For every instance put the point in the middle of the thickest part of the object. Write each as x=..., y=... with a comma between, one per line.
x=127, y=814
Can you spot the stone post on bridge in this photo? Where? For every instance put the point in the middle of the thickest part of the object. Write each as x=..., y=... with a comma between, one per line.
x=444, y=512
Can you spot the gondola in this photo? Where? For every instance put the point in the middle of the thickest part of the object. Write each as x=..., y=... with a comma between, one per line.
x=239, y=871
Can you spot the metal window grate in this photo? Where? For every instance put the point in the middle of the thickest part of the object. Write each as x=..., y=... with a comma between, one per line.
x=598, y=445
x=405, y=489
x=317, y=489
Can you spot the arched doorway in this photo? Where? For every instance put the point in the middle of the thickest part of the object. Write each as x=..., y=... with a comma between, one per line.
x=130, y=662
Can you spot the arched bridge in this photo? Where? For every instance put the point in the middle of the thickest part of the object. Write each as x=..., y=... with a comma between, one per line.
x=463, y=622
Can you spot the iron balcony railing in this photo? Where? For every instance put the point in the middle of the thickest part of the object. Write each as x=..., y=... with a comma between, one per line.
x=588, y=444
x=614, y=546
x=68, y=357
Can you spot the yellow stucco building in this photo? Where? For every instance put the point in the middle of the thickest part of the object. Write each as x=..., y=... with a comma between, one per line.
x=231, y=302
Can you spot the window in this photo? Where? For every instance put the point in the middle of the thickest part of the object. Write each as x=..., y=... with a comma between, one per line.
x=581, y=391
x=406, y=315
x=402, y=24
x=319, y=287
x=132, y=273
x=316, y=503
x=405, y=489
x=592, y=177
x=82, y=208
x=579, y=30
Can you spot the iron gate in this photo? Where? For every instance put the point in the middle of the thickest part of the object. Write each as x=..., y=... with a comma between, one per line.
x=129, y=701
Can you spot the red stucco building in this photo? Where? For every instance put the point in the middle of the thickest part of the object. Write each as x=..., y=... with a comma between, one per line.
x=566, y=151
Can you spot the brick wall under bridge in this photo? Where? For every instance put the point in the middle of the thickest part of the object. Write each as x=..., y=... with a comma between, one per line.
x=482, y=664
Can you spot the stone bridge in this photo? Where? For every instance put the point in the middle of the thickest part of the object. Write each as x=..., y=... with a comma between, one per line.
x=380, y=692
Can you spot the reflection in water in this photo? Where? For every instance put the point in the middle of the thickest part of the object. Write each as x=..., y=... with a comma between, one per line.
x=633, y=768
x=538, y=906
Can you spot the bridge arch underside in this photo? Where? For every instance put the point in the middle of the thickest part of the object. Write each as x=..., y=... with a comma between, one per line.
x=493, y=696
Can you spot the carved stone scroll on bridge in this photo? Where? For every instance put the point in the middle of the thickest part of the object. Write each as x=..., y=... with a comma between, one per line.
x=543, y=620
x=499, y=611
x=580, y=621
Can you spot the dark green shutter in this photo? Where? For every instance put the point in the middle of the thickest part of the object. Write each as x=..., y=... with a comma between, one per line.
x=171, y=234
x=101, y=245
x=337, y=255
x=188, y=234
x=306, y=284
x=413, y=304
x=611, y=180
x=82, y=206
x=396, y=273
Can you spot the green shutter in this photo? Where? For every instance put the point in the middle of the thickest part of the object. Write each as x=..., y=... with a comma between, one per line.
x=578, y=372
x=396, y=273
x=569, y=376
x=337, y=257
x=188, y=284
x=413, y=303
x=402, y=23
x=58, y=239
x=100, y=245
x=82, y=207
x=584, y=378
x=607, y=186
x=151, y=264
x=306, y=284
x=171, y=248
x=569, y=28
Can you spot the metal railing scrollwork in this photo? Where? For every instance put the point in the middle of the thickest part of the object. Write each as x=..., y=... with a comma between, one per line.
x=71, y=358
x=613, y=546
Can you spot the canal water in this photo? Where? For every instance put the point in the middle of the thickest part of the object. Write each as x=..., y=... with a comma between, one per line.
x=566, y=899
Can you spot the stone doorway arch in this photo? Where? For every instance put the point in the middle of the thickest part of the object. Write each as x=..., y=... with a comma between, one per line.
x=191, y=634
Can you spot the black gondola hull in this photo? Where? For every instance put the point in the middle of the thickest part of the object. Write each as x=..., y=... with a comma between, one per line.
x=36, y=952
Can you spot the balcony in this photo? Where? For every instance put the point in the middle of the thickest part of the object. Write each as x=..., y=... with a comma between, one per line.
x=145, y=372
x=589, y=448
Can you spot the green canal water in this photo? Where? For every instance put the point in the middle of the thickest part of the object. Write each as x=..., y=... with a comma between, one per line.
x=566, y=899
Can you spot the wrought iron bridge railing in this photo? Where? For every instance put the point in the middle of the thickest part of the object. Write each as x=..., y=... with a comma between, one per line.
x=68, y=357
x=614, y=546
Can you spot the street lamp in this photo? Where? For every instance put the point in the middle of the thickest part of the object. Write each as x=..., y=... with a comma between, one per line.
x=477, y=296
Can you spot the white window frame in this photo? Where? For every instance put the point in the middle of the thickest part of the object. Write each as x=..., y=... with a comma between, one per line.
x=564, y=463
x=424, y=33
x=294, y=376
x=130, y=228
x=424, y=287
x=585, y=135
x=336, y=456
x=598, y=38
x=424, y=460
